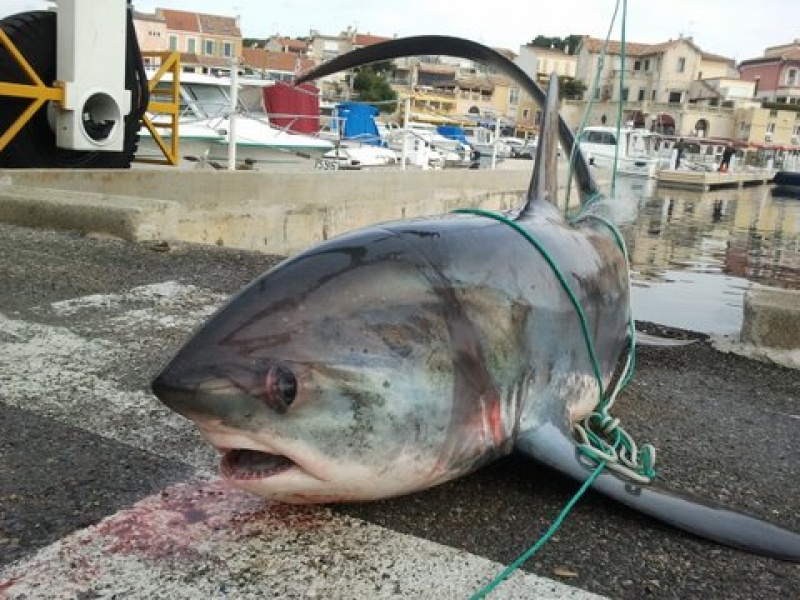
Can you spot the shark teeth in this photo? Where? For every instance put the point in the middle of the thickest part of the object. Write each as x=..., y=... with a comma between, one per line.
x=251, y=464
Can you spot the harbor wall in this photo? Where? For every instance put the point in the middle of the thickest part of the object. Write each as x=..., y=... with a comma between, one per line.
x=276, y=213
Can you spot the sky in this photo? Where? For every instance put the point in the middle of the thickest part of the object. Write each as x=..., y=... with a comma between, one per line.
x=737, y=29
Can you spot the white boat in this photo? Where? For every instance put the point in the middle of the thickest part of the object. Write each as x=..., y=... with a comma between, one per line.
x=634, y=149
x=350, y=155
x=424, y=146
x=205, y=126
x=486, y=142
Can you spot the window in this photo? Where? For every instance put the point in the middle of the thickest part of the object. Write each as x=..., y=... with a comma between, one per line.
x=191, y=46
x=653, y=96
x=675, y=97
x=647, y=64
x=624, y=95
x=208, y=47
x=227, y=49
x=640, y=98
x=770, y=127
x=681, y=64
x=526, y=113
x=513, y=96
x=791, y=77
x=637, y=65
x=600, y=137
x=173, y=43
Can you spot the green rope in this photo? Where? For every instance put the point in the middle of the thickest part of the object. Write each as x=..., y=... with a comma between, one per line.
x=523, y=558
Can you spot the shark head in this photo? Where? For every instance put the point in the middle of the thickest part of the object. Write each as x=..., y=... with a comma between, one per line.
x=333, y=377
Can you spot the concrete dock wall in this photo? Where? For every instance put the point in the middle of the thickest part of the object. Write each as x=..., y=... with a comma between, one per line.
x=279, y=213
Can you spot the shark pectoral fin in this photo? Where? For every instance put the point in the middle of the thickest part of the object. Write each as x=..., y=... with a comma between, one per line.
x=553, y=447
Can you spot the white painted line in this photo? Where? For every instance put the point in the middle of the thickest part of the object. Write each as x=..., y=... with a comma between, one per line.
x=208, y=540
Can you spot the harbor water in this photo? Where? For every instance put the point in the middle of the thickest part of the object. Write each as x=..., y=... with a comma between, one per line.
x=694, y=254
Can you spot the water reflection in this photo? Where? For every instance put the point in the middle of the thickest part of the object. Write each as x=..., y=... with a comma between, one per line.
x=694, y=254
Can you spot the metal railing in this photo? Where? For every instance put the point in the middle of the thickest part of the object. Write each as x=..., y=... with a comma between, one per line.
x=169, y=106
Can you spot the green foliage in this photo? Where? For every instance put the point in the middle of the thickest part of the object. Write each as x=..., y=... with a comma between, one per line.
x=372, y=86
x=570, y=42
x=254, y=42
x=571, y=88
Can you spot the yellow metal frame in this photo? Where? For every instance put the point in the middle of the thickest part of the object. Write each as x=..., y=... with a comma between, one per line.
x=170, y=63
x=37, y=91
x=39, y=94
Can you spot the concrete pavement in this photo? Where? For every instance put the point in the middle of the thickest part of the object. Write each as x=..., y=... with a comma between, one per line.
x=104, y=493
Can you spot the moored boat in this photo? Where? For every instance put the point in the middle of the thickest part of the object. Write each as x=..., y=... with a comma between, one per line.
x=633, y=149
x=205, y=126
x=787, y=183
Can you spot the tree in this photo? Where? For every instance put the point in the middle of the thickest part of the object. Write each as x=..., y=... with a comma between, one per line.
x=373, y=86
x=571, y=88
x=569, y=43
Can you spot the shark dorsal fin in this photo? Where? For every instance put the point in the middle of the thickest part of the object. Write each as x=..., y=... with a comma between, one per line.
x=544, y=183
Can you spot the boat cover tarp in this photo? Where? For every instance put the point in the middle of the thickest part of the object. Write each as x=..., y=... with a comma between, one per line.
x=452, y=132
x=359, y=122
x=293, y=107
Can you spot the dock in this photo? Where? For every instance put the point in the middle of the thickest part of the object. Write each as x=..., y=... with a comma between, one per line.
x=712, y=180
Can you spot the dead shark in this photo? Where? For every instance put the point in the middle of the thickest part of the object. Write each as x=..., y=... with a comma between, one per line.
x=402, y=355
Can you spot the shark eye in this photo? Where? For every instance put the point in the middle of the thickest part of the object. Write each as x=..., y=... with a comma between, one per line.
x=280, y=387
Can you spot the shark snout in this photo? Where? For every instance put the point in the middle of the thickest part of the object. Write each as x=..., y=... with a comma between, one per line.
x=217, y=393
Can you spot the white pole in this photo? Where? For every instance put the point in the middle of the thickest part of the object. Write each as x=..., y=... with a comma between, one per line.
x=496, y=141
x=234, y=92
x=406, y=115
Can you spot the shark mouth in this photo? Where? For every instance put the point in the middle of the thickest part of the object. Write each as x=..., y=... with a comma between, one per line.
x=246, y=465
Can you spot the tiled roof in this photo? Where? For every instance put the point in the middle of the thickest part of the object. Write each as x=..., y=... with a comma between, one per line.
x=219, y=25
x=181, y=20
x=366, y=39
x=265, y=60
x=292, y=44
x=717, y=58
x=595, y=45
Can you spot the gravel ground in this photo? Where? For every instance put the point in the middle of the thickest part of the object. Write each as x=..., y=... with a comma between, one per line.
x=726, y=429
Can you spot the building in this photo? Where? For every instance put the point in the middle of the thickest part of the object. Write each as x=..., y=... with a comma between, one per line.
x=151, y=33
x=658, y=86
x=776, y=75
x=540, y=62
x=207, y=43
